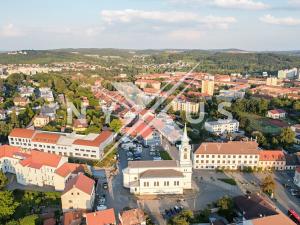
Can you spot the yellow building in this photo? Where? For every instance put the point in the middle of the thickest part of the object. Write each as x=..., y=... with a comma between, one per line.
x=208, y=87
x=41, y=121
x=181, y=105
x=272, y=81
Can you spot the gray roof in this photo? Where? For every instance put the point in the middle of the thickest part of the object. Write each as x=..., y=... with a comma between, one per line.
x=161, y=173
x=152, y=164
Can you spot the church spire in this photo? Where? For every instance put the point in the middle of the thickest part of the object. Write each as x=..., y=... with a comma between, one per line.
x=185, y=138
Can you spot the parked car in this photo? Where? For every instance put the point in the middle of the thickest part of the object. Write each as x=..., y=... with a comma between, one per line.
x=105, y=185
x=101, y=207
x=156, y=158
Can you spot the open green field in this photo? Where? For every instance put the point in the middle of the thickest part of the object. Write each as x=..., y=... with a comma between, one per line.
x=262, y=124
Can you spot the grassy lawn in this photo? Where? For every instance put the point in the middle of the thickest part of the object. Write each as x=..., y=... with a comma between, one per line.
x=228, y=181
x=165, y=155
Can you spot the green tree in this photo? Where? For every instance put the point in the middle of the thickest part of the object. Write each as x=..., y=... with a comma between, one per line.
x=225, y=205
x=3, y=180
x=286, y=137
x=115, y=125
x=260, y=138
x=296, y=105
x=183, y=218
x=29, y=220
x=268, y=185
x=7, y=204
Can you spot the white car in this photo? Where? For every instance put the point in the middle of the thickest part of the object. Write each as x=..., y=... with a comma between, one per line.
x=101, y=207
x=156, y=158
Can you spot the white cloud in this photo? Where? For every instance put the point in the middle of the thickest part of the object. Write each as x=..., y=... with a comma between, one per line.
x=288, y=21
x=294, y=2
x=240, y=4
x=10, y=30
x=131, y=15
x=228, y=4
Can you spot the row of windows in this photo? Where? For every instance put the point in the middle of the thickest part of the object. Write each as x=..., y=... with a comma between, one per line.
x=157, y=183
x=224, y=161
x=227, y=156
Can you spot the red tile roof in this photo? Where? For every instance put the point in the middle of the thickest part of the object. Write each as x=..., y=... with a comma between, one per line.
x=275, y=155
x=103, y=136
x=139, y=129
x=37, y=159
x=232, y=147
x=68, y=168
x=22, y=133
x=101, y=217
x=46, y=138
x=71, y=217
x=9, y=151
x=277, y=111
x=82, y=183
x=133, y=217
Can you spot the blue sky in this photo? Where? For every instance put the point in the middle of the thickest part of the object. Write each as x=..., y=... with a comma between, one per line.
x=144, y=24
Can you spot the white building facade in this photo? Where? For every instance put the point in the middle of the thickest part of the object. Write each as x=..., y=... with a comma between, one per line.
x=222, y=126
x=161, y=177
x=70, y=145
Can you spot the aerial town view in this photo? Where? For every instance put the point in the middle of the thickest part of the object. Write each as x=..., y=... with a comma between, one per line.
x=130, y=112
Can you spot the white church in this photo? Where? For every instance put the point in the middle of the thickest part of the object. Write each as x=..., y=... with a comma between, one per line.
x=161, y=177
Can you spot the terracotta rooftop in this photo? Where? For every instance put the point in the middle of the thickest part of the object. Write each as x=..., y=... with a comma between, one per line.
x=82, y=183
x=232, y=147
x=269, y=155
x=37, y=159
x=10, y=151
x=22, y=133
x=68, y=168
x=72, y=218
x=279, y=219
x=277, y=111
x=104, y=217
x=46, y=138
x=50, y=221
x=132, y=217
x=103, y=136
x=161, y=173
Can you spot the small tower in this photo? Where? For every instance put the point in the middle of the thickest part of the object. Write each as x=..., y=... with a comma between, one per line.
x=185, y=149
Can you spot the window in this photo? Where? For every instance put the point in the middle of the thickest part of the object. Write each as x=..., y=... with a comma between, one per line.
x=166, y=183
x=156, y=183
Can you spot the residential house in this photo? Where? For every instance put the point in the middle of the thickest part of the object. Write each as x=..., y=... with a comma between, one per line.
x=80, y=125
x=47, y=94
x=26, y=91
x=72, y=218
x=79, y=194
x=103, y=217
x=133, y=217
x=257, y=210
x=41, y=121
x=276, y=114
x=21, y=101
x=49, y=110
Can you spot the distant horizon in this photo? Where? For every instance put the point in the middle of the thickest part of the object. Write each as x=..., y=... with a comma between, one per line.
x=254, y=25
x=149, y=49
